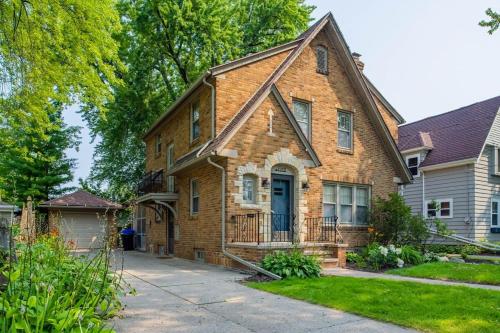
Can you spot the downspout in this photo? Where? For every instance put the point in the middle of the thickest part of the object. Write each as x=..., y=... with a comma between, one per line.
x=223, y=227
x=212, y=106
x=423, y=193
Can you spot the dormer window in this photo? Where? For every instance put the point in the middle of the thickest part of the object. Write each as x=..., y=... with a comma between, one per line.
x=321, y=60
x=412, y=161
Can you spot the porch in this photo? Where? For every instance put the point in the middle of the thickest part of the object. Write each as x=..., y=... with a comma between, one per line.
x=253, y=235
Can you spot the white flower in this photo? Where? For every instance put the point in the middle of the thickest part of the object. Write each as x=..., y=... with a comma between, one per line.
x=383, y=250
x=392, y=248
x=398, y=251
x=443, y=259
x=400, y=263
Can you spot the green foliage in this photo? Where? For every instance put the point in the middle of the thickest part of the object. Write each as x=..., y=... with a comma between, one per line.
x=166, y=45
x=493, y=23
x=393, y=222
x=411, y=255
x=50, y=290
x=468, y=250
x=453, y=249
x=473, y=273
x=293, y=264
x=33, y=160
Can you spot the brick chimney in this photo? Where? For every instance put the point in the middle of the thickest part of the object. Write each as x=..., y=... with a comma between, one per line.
x=359, y=63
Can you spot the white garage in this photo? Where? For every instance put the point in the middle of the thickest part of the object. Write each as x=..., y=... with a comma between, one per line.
x=82, y=219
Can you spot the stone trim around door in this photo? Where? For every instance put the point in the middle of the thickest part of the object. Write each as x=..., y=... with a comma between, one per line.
x=263, y=194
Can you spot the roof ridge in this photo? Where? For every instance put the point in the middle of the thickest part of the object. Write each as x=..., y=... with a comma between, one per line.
x=447, y=112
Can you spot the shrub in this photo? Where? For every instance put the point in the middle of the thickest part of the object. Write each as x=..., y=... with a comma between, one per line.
x=49, y=290
x=431, y=257
x=470, y=250
x=293, y=264
x=411, y=256
x=393, y=223
x=383, y=257
x=355, y=258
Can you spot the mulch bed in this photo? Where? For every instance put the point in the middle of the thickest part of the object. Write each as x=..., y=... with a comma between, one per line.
x=258, y=278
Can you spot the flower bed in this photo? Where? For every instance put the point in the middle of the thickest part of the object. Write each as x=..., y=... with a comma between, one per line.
x=50, y=290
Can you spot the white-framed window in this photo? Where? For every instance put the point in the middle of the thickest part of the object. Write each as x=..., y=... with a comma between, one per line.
x=249, y=188
x=344, y=136
x=195, y=120
x=170, y=165
x=495, y=212
x=140, y=220
x=351, y=203
x=413, y=161
x=329, y=200
x=439, y=208
x=158, y=144
x=322, y=59
x=496, y=159
x=195, y=197
x=302, y=112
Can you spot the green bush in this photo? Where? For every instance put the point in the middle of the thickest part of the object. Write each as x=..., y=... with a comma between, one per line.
x=379, y=257
x=411, y=255
x=393, y=223
x=293, y=264
x=49, y=290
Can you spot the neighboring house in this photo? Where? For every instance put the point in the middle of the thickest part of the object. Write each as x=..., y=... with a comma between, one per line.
x=6, y=219
x=455, y=161
x=83, y=220
x=266, y=151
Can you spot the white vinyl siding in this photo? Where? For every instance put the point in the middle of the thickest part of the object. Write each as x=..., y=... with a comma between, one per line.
x=302, y=113
x=344, y=136
x=351, y=203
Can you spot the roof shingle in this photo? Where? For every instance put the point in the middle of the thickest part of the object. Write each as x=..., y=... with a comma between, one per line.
x=80, y=198
x=456, y=135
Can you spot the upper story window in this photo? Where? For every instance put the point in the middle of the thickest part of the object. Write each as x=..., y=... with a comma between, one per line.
x=170, y=165
x=413, y=161
x=321, y=60
x=495, y=211
x=350, y=203
x=195, y=197
x=302, y=112
x=344, y=136
x=158, y=144
x=496, y=157
x=249, y=188
x=195, y=120
x=441, y=208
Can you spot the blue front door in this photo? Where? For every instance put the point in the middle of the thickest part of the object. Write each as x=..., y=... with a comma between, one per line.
x=281, y=202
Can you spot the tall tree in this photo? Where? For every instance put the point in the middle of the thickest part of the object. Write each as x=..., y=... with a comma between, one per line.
x=166, y=45
x=493, y=22
x=33, y=161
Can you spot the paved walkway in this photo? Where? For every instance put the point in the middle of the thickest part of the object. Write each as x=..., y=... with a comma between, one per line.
x=361, y=274
x=175, y=295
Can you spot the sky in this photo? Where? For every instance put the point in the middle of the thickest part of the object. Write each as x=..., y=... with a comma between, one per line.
x=425, y=56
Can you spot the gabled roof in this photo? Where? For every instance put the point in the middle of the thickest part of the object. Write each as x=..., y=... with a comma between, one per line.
x=384, y=101
x=455, y=136
x=359, y=83
x=80, y=199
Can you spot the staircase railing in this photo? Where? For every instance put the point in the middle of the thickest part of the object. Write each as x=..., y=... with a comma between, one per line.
x=483, y=245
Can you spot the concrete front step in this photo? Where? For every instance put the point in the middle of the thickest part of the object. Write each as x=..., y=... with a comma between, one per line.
x=319, y=253
x=329, y=263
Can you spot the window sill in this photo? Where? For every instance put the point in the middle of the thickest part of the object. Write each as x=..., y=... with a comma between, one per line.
x=345, y=151
x=250, y=206
x=497, y=174
x=193, y=216
x=322, y=72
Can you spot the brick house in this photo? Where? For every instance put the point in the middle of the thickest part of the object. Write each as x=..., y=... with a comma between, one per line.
x=286, y=147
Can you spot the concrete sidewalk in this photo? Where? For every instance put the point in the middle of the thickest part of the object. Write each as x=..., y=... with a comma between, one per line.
x=175, y=295
x=362, y=274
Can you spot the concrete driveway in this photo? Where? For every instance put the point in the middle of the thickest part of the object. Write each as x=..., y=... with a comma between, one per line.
x=175, y=295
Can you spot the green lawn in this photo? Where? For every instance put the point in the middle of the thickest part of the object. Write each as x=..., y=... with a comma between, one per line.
x=475, y=273
x=425, y=307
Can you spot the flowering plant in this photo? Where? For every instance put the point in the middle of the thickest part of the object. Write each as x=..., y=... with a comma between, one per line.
x=380, y=256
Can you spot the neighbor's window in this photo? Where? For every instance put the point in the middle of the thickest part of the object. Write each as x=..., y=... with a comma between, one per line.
x=353, y=201
x=442, y=208
x=170, y=165
x=195, y=197
x=249, y=188
x=195, y=120
x=497, y=160
x=344, y=130
x=329, y=200
x=302, y=112
x=495, y=205
x=322, y=59
x=158, y=144
x=412, y=162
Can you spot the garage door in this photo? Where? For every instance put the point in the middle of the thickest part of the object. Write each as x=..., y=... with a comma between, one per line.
x=82, y=230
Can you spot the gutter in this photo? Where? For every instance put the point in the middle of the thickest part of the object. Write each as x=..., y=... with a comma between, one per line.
x=223, y=228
